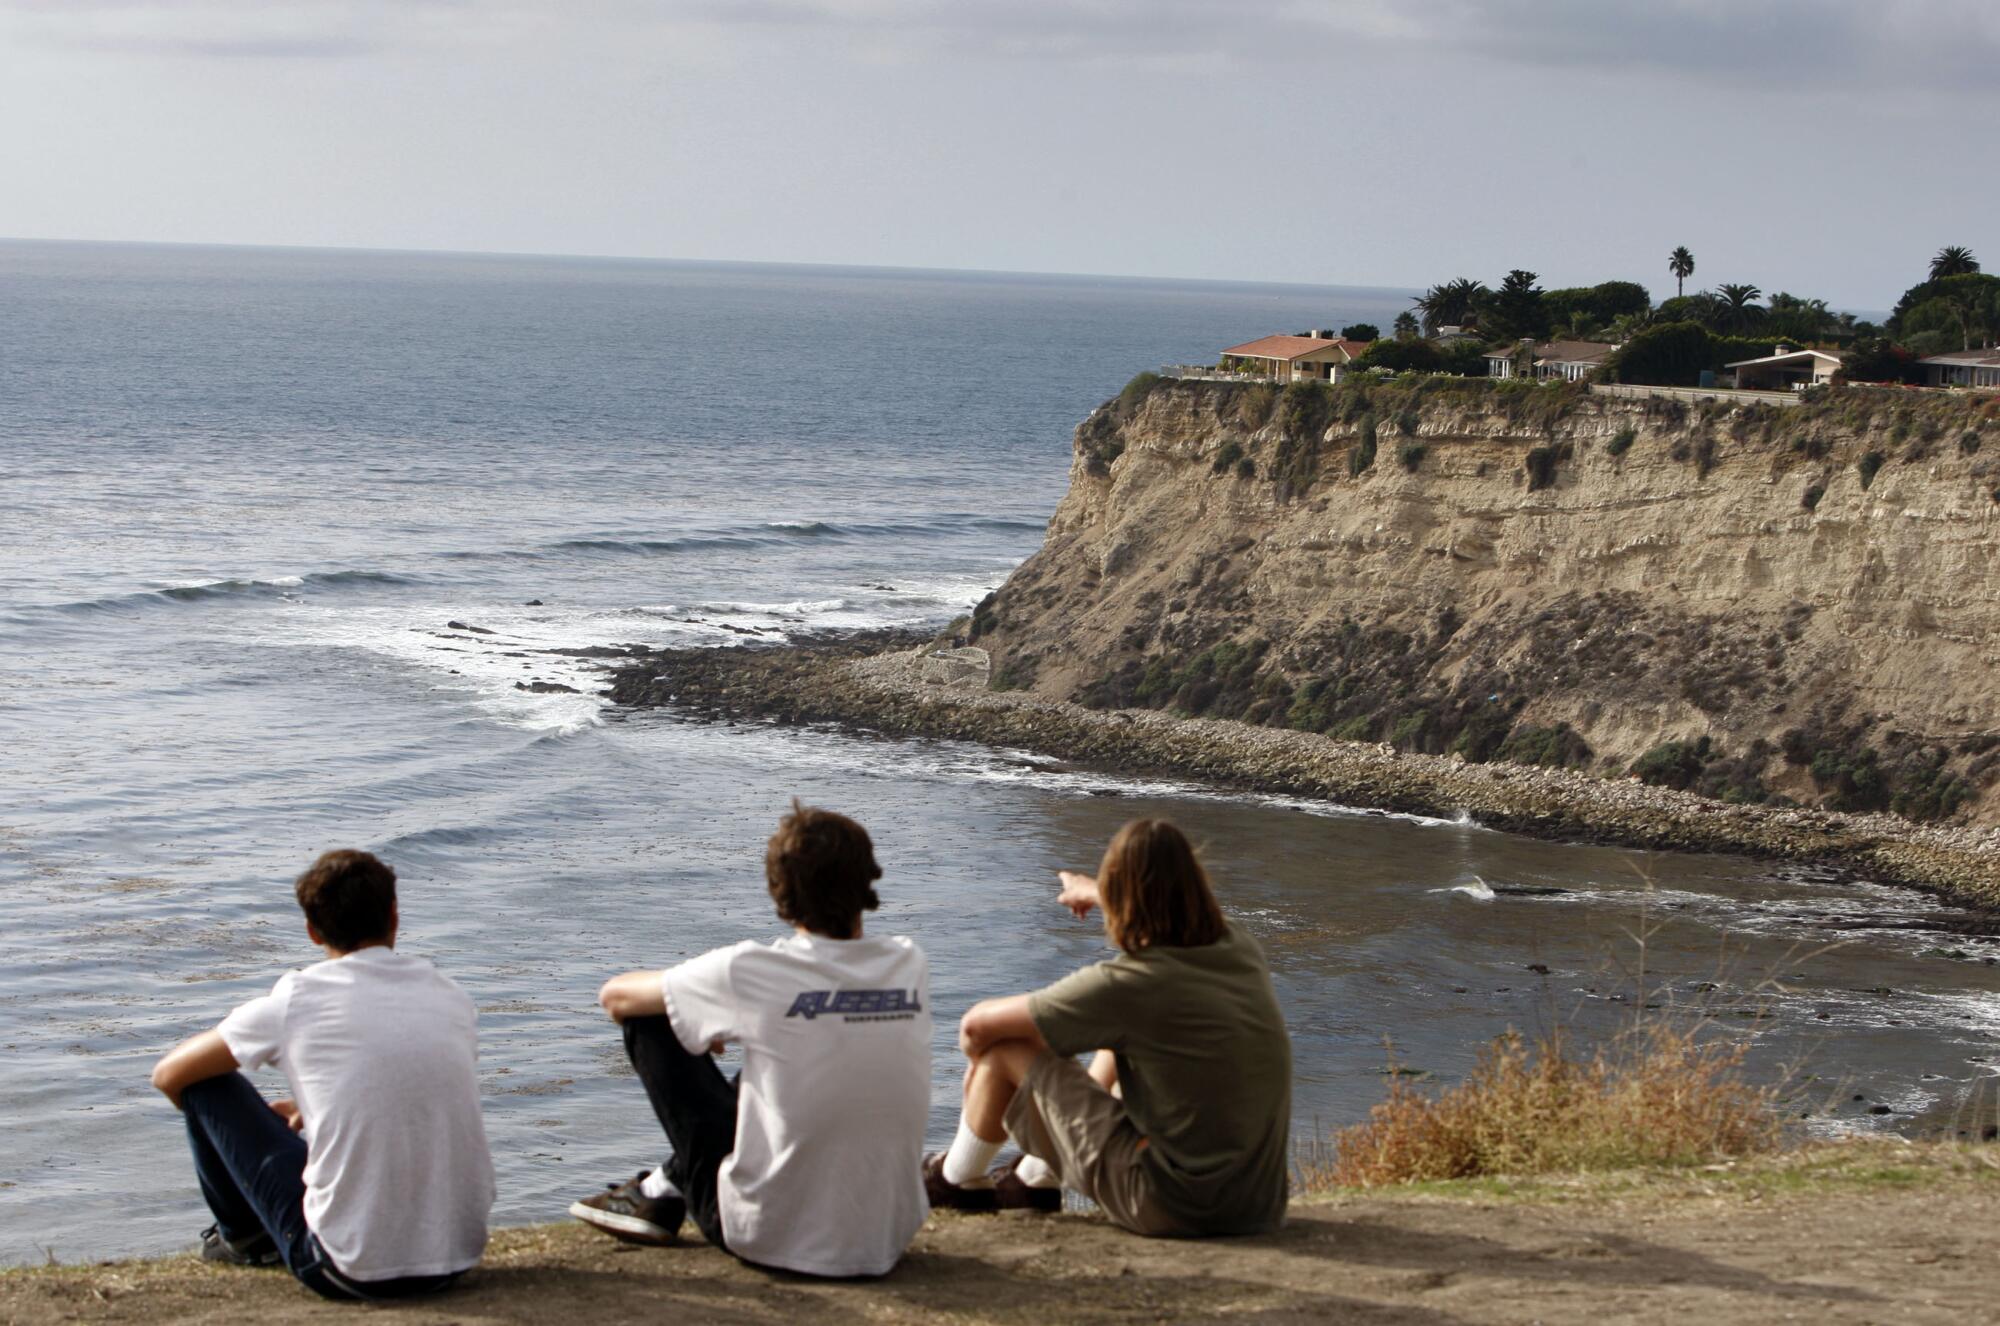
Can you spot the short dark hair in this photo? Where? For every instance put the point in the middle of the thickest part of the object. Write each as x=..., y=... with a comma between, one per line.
x=349, y=897
x=821, y=867
x=1154, y=892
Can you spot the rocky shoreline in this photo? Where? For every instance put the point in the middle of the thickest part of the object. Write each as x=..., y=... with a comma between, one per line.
x=902, y=685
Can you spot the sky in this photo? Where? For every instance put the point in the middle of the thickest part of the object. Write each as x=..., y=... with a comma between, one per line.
x=1825, y=147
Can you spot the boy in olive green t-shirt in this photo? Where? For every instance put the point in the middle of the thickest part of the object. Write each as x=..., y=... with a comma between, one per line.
x=1182, y=1122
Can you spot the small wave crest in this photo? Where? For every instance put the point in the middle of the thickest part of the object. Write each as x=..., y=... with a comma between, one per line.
x=205, y=591
x=794, y=608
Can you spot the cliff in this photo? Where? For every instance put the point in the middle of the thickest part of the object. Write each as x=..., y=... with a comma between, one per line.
x=1755, y=603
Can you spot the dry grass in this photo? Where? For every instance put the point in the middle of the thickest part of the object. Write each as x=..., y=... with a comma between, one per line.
x=1659, y=1094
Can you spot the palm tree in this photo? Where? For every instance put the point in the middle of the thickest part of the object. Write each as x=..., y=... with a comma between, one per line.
x=1740, y=310
x=1450, y=304
x=1953, y=260
x=1681, y=263
x=1406, y=326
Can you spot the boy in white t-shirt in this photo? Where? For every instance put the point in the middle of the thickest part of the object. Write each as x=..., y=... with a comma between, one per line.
x=373, y=1180
x=809, y=1159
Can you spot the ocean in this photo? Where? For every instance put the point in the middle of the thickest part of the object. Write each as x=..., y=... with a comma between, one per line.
x=254, y=503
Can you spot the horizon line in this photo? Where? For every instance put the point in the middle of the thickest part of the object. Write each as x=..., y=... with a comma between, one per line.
x=1858, y=310
x=707, y=262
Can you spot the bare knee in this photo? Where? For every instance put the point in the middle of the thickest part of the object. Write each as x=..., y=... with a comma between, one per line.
x=991, y=1081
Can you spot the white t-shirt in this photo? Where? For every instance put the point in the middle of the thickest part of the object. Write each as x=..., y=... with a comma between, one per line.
x=382, y=1053
x=827, y=1174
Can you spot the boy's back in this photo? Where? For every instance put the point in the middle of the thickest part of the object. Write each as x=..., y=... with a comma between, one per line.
x=834, y=1095
x=381, y=1053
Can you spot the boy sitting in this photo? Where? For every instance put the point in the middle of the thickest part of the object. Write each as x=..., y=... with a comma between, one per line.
x=373, y=1180
x=807, y=1160
x=1182, y=1124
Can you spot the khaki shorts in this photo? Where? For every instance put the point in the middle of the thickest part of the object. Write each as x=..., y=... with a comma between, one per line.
x=1062, y=1116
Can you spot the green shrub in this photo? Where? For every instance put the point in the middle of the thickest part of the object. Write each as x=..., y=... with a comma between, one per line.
x=1246, y=468
x=1852, y=781
x=1675, y=764
x=1411, y=455
x=1255, y=405
x=1621, y=442
x=1924, y=791
x=1231, y=452
x=1361, y=455
x=1968, y=445
x=1558, y=747
x=1869, y=466
x=1409, y=730
x=1542, y=462
x=1810, y=498
x=1135, y=392
x=1219, y=681
x=1303, y=408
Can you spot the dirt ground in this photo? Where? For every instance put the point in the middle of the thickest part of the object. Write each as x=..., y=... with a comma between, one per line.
x=1876, y=1234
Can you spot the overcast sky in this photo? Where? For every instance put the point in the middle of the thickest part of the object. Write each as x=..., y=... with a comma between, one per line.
x=1826, y=147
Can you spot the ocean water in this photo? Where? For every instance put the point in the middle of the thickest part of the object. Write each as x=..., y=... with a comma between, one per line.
x=246, y=494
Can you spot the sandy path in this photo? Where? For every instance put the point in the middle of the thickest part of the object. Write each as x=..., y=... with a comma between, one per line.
x=1899, y=1245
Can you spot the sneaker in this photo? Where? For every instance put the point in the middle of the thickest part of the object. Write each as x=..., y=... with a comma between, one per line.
x=1014, y=1195
x=948, y=1196
x=260, y=1249
x=624, y=1211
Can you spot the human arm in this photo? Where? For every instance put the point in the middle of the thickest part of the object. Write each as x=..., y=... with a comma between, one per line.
x=196, y=1059
x=991, y=1021
x=636, y=994
x=1079, y=892
x=693, y=997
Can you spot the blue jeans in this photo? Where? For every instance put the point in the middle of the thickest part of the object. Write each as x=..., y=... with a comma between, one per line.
x=251, y=1167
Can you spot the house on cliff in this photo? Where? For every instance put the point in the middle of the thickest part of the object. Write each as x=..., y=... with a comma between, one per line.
x=1320, y=356
x=1787, y=370
x=1568, y=361
x=1964, y=368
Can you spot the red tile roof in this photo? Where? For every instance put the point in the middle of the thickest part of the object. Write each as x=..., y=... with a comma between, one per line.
x=1289, y=348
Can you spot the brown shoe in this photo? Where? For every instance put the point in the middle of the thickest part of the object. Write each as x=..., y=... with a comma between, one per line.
x=1014, y=1195
x=624, y=1212
x=948, y=1196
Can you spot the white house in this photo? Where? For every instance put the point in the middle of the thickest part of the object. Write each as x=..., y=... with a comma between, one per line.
x=1787, y=370
x=1295, y=358
x=1964, y=368
x=1570, y=361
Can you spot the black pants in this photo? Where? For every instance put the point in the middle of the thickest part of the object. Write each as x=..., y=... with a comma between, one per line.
x=696, y=1104
x=251, y=1167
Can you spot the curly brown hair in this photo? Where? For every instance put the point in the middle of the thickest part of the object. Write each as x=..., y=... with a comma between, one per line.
x=349, y=897
x=821, y=869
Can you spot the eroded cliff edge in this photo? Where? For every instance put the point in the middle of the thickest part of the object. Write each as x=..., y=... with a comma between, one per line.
x=1755, y=603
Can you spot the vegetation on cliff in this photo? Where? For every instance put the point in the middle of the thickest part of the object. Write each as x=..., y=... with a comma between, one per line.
x=1751, y=707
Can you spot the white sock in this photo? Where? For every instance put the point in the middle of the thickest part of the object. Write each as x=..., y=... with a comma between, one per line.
x=1037, y=1173
x=969, y=1158
x=657, y=1185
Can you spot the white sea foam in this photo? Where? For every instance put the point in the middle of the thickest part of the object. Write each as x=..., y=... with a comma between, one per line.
x=794, y=608
x=1476, y=889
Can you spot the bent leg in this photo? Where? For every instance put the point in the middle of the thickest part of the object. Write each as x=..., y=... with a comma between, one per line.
x=696, y=1105
x=991, y=1082
x=250, y=1164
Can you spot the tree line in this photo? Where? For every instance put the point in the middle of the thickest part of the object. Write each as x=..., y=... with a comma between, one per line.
x=1956, y=306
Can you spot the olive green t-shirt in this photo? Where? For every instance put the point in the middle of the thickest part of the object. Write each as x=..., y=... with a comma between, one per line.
x=1205, y=1067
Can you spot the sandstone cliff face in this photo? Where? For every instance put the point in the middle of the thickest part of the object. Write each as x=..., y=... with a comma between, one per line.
x=1546, y=575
